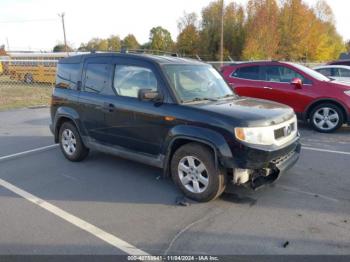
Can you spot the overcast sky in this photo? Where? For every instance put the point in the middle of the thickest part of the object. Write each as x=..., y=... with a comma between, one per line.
x=35, y=25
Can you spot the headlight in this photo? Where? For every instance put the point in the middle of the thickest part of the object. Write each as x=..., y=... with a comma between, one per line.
x=255, y=135
x=269, y=135
x=347, y=92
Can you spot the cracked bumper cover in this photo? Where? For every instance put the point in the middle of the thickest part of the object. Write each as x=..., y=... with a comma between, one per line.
x=266, y=164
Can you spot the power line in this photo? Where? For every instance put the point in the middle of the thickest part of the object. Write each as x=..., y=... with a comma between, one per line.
x=27, y=21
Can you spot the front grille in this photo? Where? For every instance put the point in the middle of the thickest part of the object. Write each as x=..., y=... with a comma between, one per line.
x=284, y=131
x=281, y=159
x=279, y=133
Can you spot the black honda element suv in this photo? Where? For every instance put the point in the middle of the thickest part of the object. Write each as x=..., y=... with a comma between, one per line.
x=173, y=113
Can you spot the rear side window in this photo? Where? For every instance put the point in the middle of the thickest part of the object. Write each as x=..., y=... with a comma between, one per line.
x=325, y=71
x=96, y=77
x=128, y=80
x=249, y=72
x=344, y=72
x=67, y=75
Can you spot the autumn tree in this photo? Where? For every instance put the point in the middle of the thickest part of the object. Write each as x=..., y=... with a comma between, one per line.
x=130, y=42
x=113, y=43
x=324, y=42
x=266, y=29
x=62, y=48
x=188, y=40
x=95, y=44
x=234, y=31
x=308, y=33
x=262, y=38
x=210, y=33
x=347, y=46
x=294, y=26
x=160, y=39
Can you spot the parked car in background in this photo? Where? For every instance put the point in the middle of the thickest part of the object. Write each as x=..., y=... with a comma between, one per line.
x=173, y=113
x=313, y=96
x=336, y=72
x=340, y=62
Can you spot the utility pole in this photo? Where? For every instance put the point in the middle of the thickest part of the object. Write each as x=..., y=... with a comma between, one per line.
x=64, y=32
x=222, y=33
x=8, y=45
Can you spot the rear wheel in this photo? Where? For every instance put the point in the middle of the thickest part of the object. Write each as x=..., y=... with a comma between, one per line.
x=28, y=78
x=193, y=171
x=326, y=118
x=71, y=144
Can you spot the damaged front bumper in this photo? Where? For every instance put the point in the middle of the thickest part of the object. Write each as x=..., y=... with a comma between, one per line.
x=256, y=174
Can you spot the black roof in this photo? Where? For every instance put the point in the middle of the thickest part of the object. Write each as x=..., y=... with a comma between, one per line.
x=159, y=59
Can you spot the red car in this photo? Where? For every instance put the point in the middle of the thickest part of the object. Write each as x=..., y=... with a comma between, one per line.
x=315, y=98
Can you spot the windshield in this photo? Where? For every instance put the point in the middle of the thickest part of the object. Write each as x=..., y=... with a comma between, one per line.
x=312, y=72
x=197, y=83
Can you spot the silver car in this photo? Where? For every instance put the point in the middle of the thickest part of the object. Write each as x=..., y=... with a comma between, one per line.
x=336, y=72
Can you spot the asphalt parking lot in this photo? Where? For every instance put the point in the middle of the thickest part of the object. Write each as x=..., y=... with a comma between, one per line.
x=107, y=205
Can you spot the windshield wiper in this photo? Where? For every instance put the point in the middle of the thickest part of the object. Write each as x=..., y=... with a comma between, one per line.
x=227, y=96
x=201, y=99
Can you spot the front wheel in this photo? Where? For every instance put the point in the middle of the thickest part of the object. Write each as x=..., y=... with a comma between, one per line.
x=326, y=118
x=193, y=171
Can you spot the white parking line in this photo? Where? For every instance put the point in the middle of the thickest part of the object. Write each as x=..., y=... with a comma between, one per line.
x=325, y=150
x=40, y=149
x=296, y=190
x=97, y=232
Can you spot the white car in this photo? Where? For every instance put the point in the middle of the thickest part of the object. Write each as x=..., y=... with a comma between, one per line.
x=337, y=72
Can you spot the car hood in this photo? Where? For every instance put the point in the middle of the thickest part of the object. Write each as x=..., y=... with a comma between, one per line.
x=249, y=112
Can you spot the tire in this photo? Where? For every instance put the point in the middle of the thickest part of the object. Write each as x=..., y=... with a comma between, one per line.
x=326, y=118
x=204, y=185
x=71, y=144
x=28, y=79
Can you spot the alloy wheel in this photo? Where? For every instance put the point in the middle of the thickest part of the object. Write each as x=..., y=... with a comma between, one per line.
x=193, y=174
x=69, y=142
x=326, y=118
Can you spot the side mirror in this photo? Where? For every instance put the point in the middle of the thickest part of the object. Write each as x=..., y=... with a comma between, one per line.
x=297, y=83
x=149, y=95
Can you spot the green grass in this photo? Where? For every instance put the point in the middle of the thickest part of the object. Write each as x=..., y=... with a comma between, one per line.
x=15, y=94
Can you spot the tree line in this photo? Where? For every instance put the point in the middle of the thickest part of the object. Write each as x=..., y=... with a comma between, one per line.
x=263, y=29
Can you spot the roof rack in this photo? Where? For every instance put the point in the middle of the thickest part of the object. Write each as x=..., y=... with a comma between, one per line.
x=125, y=50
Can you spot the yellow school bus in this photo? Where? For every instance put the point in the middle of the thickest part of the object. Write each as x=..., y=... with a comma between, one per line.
x=32, y=67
